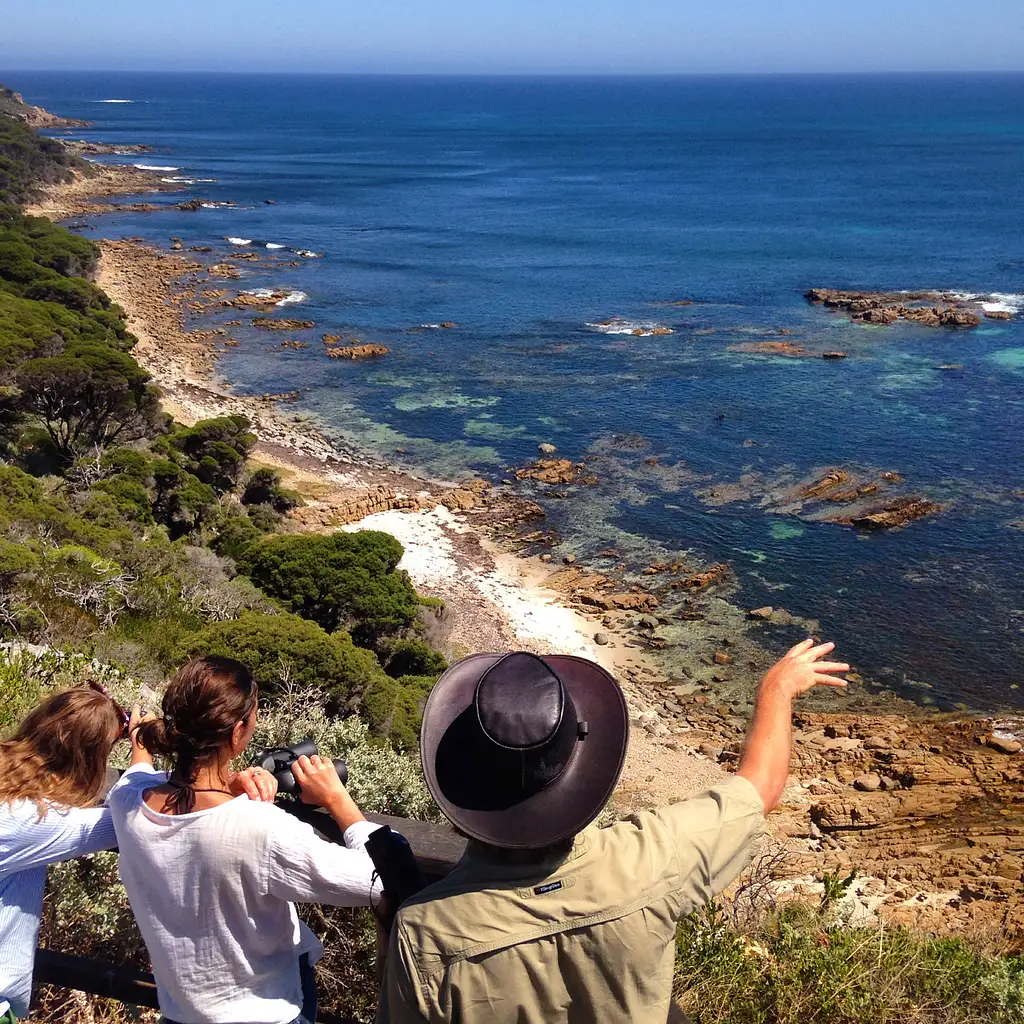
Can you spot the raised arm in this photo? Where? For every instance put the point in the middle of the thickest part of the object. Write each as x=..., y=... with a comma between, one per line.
x=769, y=744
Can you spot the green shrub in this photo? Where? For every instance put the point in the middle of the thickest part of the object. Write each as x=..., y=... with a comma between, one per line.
x=213, y=450
x=264, y=488
x=340, y=581
x=796, y=966
x=412, y=657
x=283, y=649
x=393, y=708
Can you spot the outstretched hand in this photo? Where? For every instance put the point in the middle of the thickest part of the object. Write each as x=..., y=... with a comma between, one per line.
x=801, y=668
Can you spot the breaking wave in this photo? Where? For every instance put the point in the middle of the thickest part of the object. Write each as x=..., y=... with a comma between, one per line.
x=238, y=241
x=639, y=328
x=155, y=167
x=292, y=298
x=995, y=302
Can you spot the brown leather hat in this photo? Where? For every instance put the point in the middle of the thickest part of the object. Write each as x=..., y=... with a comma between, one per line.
x=521, y=751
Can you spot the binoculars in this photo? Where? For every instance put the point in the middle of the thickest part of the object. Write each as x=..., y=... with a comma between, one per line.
x=279, y=760
x=390, y=852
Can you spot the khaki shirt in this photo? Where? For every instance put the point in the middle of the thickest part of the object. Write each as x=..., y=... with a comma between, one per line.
x=590, y=938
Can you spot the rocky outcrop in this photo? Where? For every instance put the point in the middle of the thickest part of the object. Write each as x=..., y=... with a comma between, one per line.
x=932, y=309
x=266, y=324
x=897, y=513
x=13, y=105
x=555, y=471
x=343, y=509
x=358, y=352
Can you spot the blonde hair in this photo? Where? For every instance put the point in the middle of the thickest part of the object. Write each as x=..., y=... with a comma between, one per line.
x=59, y=752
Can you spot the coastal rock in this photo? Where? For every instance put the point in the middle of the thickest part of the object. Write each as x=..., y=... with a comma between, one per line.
x=602, y=639
x=13, y=105
x=869, y=783
x=358, y=352
x=547, y=448
x=898, y=513
x=1003, y=745
x=765, y=612
x=833, y=355
x=629, y=602
x=228, y=270
x=771, y=348
x=930, y=309
x=350, y=508
x=998, y=314
x=554, y=471
x=699, y=580
x=266, y=324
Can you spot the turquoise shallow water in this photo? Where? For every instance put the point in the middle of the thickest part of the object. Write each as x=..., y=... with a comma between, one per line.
x=528, y=211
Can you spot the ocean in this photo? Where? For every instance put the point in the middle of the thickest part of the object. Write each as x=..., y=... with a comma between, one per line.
x=551, y=219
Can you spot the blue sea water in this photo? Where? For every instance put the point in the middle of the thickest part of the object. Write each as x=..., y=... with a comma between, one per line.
x=525, y=210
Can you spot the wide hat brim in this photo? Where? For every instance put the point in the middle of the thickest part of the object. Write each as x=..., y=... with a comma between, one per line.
x=571, y=801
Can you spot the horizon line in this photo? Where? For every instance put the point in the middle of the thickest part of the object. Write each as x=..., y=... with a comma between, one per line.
x=865, y=73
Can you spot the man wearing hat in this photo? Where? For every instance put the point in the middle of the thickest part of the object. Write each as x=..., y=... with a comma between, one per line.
x=548, y=918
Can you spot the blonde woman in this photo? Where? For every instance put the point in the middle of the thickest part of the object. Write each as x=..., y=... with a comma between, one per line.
x=52, y=772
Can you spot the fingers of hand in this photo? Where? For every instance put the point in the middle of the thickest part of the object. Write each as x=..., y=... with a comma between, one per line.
x=266, y=784
x=830, y=681
x=248, y=784
x=814, y=653
x=831, y=666
x=136, y=715
x=302, y=768
x=800, y=647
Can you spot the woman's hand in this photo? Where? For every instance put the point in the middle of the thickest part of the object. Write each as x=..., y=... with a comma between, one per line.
x=140, y=755
x=257, y=784
x=801, y=668
x=320, y=786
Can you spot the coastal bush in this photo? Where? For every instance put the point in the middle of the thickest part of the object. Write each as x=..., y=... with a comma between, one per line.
x=50, y=246
x=279, y=648
x=89, y=395
x=340, y=581
x=412, y=657
x=795, y=966
x=393, y=708
x=214, y=451
x=264, y=488
x=27, y=160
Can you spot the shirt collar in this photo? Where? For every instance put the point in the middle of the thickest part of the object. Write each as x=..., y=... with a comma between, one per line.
x=480, y=864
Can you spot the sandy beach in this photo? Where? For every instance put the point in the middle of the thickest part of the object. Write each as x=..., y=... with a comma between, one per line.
x=925, y=807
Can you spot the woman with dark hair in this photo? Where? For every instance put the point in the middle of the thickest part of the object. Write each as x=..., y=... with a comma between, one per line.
x=52, y=772
x=212, y=877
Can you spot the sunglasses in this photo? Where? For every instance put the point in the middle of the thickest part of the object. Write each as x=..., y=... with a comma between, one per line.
x=122, y=714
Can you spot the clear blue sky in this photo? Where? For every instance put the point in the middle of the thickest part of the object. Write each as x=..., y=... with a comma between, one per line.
x=513, y=36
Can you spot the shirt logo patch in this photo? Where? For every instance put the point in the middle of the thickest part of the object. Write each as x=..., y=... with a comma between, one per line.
x=541, y=890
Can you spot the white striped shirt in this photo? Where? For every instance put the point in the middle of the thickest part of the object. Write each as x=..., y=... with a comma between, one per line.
x=27, y=845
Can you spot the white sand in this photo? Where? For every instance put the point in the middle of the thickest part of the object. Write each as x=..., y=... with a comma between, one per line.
x=491, y=579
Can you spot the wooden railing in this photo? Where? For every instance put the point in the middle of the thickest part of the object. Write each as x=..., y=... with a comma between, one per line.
x=436, y=847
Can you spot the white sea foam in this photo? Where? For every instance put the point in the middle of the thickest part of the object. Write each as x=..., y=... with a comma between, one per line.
x=1004, y=302
x=619, y=325
x=292, y=298
x=156, y=167
x=275, y=245
x=239, y=241
x=994, y=302
x=261, y=293
x=177, y=179
x=114, y=101
x=307, y=254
